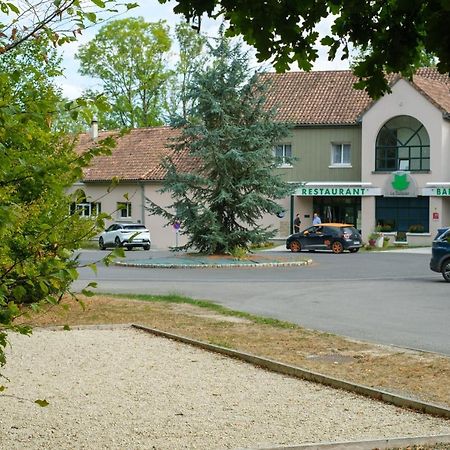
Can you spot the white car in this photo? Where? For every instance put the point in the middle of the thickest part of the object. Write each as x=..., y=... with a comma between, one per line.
x=126, y=235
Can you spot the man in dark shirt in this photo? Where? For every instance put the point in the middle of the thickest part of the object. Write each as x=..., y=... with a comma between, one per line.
x=297, y=223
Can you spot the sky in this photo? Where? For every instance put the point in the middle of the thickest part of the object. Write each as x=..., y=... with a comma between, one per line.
x=73, y=84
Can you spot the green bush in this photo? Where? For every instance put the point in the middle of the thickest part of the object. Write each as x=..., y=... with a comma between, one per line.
x=416, y=228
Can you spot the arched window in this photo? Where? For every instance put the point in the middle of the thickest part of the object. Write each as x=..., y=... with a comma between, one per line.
x=402, y=144
x=82, y=207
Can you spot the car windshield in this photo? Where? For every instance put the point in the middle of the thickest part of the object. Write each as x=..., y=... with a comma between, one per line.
x=349, y=230
x=134, y=227
x=445, y=236
x=443, y=233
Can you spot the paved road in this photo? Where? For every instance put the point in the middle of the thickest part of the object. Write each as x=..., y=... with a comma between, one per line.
x=389, y=298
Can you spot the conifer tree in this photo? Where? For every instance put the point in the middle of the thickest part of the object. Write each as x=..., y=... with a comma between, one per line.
x=229, y=137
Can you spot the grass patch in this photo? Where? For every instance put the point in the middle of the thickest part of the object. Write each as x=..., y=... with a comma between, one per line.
x=214, y=307
x=89, y=245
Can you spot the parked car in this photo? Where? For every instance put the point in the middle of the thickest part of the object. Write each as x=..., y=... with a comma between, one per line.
x=336, y=237
x=126, y=235
x=440, y=253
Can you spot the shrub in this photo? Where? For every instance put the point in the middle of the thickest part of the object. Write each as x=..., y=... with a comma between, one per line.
x=416, y=228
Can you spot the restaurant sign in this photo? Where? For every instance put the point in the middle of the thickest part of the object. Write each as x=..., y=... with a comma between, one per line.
x=335, y=191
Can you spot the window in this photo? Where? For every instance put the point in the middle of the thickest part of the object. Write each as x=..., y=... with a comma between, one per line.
x=84, y=208
x=123, y=210
x=402, y=144
x=340, y=154
x=87, y=209
x=400, y=214
x=283, y=154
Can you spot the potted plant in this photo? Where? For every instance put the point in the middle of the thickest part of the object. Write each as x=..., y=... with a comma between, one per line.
x=400, y=237
x=416, y=228
x=372, y=239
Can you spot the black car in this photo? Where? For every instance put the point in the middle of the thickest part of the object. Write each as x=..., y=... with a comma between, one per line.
x=440, y=253
x=336, y=237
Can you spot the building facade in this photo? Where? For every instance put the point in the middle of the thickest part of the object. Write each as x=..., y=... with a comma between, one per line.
x=379, y=165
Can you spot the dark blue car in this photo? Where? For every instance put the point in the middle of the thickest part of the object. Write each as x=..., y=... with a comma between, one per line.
x=440, y=253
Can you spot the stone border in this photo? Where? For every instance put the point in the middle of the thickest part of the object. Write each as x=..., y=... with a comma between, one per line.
x=274, y=366
x=379, y=444
x=215, y=266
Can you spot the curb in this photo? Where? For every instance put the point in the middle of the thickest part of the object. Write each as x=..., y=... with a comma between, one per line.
x=378, y=444
x=215, y=266
x=274, y=366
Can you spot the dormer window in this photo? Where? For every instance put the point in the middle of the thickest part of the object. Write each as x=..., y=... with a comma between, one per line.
x=402, y=144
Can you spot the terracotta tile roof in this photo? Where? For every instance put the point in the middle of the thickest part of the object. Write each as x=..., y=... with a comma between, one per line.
x=316, y=98
x=437, y=91
x=304, y=98
x=137, y=155
x=328, y=97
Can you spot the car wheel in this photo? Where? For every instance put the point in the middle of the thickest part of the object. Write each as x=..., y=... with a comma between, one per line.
x=128, y=247
x=146, y=247
x=353, y=250
x=337, y=247
x=117, y=242
x=446, y=270
x=295, y=246
x=101, y=244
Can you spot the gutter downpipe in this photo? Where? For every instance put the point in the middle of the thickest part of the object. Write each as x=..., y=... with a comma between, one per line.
x=142, y=202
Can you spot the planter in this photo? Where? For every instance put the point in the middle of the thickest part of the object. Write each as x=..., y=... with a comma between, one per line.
x=379, y=242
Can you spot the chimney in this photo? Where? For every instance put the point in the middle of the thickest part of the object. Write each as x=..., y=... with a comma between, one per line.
x=94, y=130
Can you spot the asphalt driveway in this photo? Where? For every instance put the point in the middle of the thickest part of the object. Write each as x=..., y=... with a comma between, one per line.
x=385, y=297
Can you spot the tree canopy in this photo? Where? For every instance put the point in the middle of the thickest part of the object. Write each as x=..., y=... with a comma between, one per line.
x=129, y=57
x=230, y=136
x=190, y=58
x=391, y=34
x=55, y=21
x=38, y=164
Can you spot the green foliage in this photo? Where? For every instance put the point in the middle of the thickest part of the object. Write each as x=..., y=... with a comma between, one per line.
x=207, y=305
x=401, y=236
x=229, y=137
x=238, y=252
x=129, y=57
x=37, y=166
x=393, y=35
x=191, y=57
x=416, y=228
x=54, y=21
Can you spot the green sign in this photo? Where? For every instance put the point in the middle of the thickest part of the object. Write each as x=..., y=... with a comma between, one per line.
x=400, y=184
x=442, y=192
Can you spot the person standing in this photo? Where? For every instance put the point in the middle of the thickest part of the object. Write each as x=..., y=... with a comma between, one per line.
x=316, y=219
x=297, y=223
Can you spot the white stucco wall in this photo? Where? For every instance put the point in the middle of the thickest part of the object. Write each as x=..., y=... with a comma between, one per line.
x=162, y=236
x=135, y=193
x=406, y=100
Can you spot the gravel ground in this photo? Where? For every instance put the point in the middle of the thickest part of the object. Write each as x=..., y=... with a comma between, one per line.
x=122, y=388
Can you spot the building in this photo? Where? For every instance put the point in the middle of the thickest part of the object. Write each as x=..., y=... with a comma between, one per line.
x=383, y=163
x=119, y=184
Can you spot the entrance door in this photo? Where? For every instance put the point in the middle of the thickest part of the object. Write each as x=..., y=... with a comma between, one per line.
x=338, y=209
